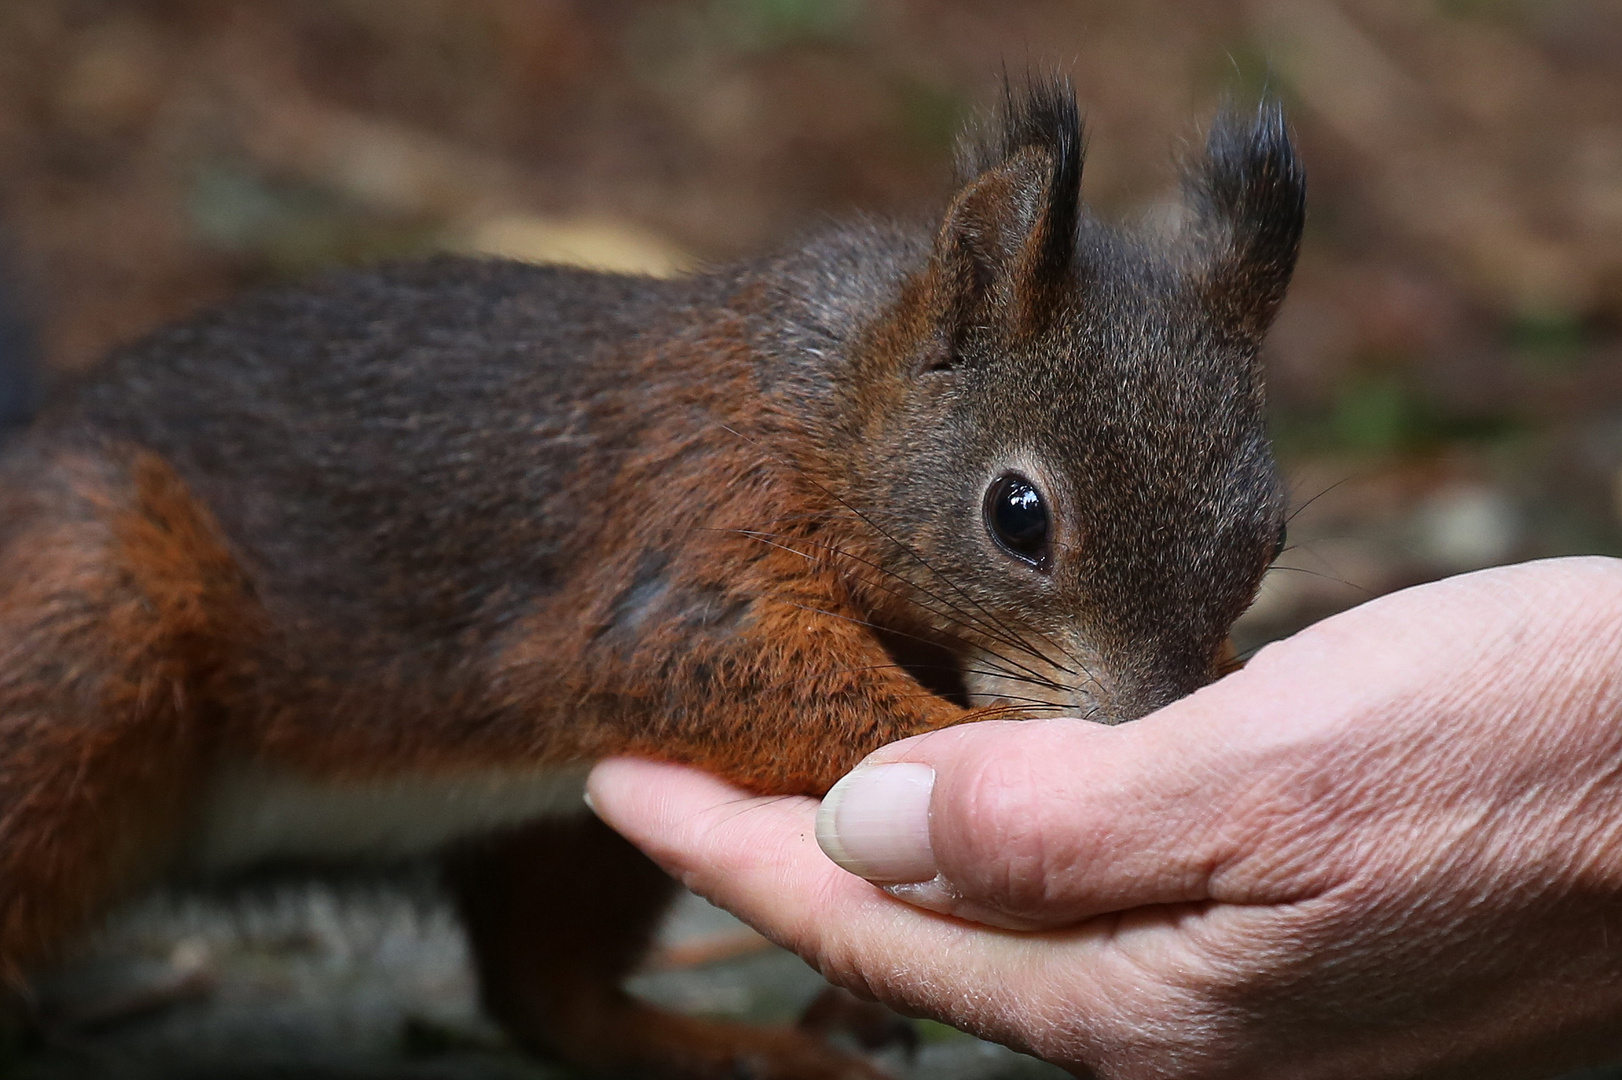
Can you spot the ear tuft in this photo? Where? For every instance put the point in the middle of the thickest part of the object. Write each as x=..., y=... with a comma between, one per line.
x=1005, y=251
x=1045, y=119
x=1248, y=198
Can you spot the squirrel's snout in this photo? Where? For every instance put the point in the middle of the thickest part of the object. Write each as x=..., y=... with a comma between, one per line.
x=1079, y=683
x=1033, y=683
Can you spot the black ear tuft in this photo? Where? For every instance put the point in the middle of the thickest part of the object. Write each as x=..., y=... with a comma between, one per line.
x=1045, y=119
x=1006, y=248
x=1248, y=198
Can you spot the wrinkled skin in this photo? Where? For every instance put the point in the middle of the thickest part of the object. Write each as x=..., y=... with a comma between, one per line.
x=1391, y=846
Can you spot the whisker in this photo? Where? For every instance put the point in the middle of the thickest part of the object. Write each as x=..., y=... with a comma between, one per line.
x=1291, y=516
x=1030, y=702
x=864, y=622
x=904, y=548
x=1328, y=577
x=833, y=672
x=976, y=625
x=984, y=711
x=819, y=515
x=1243, y=658
x=981, y=625
x=992, y=712
x=763, y=538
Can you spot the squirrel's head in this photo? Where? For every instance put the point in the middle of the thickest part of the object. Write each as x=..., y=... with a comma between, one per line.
x=1059, y=425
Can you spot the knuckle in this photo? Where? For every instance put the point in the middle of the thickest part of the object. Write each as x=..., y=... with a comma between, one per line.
x=1000, y=843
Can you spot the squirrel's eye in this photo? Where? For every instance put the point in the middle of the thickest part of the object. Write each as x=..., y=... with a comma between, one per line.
x=1018, y=518
x=1282, y=539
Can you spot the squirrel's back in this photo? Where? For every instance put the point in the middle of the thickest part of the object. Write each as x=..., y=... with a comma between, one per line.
x=370, y=443
x=390, y=452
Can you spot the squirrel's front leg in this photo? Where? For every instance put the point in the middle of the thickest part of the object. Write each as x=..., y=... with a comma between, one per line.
x=753, y=662
x=785, y=699
x=795, y=701
x=558, y=913
x=773, y=681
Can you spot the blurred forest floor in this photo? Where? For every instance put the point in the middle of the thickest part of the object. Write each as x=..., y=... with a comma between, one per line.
x=1446, y=375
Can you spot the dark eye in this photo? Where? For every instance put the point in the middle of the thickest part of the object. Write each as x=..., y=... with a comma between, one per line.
x=1018, y=518
x=1282, y=539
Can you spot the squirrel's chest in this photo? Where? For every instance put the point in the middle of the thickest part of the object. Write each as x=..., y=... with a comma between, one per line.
x=257, y=814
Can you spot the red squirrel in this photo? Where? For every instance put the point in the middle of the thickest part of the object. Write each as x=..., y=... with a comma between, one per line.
x=375, y=567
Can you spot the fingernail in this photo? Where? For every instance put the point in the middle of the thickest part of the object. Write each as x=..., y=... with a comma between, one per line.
x=936, y=894
x=875, y=823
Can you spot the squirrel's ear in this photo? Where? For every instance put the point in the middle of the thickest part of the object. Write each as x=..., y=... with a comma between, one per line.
x=1247, y=199
x=1006, y=247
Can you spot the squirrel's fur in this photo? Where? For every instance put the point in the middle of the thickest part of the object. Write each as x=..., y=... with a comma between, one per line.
x=449, y=530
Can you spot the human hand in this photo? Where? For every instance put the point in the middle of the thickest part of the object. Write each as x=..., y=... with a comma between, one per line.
x=1390, y=846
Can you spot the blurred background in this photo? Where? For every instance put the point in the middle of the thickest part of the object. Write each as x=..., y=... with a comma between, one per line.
x=1446, y=376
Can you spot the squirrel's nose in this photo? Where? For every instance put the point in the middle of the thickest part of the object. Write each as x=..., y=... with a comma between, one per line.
x=1141, y=690
x=1086, y=684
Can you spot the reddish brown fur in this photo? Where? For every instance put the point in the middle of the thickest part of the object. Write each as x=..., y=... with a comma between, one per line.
x=562, y=686
x=176, y=669
x=120, y=602
x=123, y=575
x=460, y=518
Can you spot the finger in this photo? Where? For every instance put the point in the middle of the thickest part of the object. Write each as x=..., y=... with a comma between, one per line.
x=1241, y=793
x=757, y=857
x=1038, y=823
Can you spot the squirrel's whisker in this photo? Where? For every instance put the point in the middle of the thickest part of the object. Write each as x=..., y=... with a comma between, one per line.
x=897, y=633
x=905, y=597
x=1315, y=498
x=904, y=548
x=836, y=672
x=978, y=624
x=1327, y=577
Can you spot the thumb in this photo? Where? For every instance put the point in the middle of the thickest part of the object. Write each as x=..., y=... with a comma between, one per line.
x=1271, y=785
x=1041, y=823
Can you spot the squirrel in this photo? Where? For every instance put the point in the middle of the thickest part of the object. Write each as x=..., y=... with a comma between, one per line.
x=375, y=567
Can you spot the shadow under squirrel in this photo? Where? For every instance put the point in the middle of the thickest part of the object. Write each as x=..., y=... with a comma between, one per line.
x=371, y=568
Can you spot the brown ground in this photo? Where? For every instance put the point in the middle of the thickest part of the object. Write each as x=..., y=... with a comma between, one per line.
x=1449, y=354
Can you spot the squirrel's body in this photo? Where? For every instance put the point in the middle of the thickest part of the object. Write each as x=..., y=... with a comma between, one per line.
x=376, y=567
x=409, y=466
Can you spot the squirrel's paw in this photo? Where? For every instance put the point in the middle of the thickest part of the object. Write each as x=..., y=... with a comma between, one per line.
x=837, y=1013
x=637, y=1039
